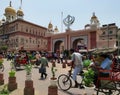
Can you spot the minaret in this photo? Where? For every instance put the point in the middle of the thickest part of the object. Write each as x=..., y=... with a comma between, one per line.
x=94, y=22
x=10, y=13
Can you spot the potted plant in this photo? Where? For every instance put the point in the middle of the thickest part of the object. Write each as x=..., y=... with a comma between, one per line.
x=88, y=78
x=28, y=69
x=4, y=91
x=53, y=78
x=12, y=71
x=12, y=85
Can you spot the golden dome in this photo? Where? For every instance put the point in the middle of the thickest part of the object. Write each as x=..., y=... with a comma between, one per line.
x=20, y=12
x=10, y=10
x=50, y=25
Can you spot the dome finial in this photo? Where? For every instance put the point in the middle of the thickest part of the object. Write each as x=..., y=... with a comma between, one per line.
x=10, y=4
x=93, y=13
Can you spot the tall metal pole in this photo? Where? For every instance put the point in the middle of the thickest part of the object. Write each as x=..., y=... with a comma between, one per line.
x=108, y=35
x=61, y=21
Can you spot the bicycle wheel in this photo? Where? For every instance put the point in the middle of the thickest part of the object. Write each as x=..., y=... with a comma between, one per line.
x=64, y=82
x=2, y=67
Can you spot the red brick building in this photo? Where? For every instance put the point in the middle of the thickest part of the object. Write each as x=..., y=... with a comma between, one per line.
x=18, y=34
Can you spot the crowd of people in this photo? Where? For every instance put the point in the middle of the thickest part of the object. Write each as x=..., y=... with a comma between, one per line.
x=77, y=61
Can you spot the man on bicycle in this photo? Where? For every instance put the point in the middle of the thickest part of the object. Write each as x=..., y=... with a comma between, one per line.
x=77, y=64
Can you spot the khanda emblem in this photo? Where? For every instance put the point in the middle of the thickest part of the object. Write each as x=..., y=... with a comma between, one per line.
x=68, y=21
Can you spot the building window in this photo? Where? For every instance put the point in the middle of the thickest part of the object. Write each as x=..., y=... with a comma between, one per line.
x=30, y=40
x=26, y=29
x=12, y=18
x=110, y=38
x=21, y=28
x=16, y=26
x=33, y=41
x=17, y=40
x=26, y=41
x=110, y=32
x=103, y=33
x=33, y=31
x=30, y=30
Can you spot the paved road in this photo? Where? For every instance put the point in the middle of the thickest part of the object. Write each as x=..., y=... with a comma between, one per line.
x=41, y=86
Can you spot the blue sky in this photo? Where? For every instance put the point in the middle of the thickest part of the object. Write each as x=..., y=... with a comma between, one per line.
x=41, y=12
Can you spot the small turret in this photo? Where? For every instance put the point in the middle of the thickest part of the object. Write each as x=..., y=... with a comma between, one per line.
x=50, y=27
x=94, y=22
x=20, y=13
x=56, y=30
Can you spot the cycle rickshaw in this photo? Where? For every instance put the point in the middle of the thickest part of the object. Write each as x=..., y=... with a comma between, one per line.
x=108, y=85
x=20, y=60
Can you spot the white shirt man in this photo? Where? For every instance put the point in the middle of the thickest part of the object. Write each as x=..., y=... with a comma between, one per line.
x=76, y=58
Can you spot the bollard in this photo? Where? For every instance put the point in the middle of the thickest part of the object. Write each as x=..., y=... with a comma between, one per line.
x=12, y=85
x=52, y=90
x=1, y=79
x=28, y=90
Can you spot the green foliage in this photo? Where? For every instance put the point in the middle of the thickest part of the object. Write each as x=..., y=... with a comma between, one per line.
x=4, y=47
x=1, y=61
x=4, y=91
x=12, y=73
x=88, y=78
x=86, y=63
x=28, y=68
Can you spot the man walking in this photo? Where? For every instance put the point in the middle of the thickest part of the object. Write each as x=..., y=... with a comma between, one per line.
x=44, y=64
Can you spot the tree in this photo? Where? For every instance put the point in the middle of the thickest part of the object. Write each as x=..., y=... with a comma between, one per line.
x=4, y=48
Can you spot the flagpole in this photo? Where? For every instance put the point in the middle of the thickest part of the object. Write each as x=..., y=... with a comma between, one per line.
x=61, y=21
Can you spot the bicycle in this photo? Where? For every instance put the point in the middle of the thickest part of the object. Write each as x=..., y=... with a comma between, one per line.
x=65, y=81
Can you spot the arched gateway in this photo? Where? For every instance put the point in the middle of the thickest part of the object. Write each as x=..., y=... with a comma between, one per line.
x=89, y=38
x=58, y=45
x=68, y=40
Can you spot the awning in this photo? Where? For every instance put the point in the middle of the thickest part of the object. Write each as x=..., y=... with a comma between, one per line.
x=104, y=50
